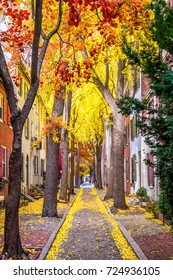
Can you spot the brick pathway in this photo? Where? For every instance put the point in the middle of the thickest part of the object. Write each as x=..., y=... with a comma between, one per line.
x=154, y=239
x=34, y=230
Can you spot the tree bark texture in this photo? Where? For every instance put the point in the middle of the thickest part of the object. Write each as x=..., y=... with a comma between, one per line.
x=72, y=165
x=118, y=164
x=110, y=184
x=64, y=148
x=12, y=242
x=118, y=145
x=51, y=181
x=99, y=161
x=64, y=177
x=118, y=132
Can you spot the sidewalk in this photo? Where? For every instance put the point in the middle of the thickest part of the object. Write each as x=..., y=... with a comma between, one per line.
x=35, y=231
x=88, y=232
x=154, y=239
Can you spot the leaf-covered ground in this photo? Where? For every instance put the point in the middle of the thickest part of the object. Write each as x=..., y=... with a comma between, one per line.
x=89, y=233
x=155, y=240
x=34, y=230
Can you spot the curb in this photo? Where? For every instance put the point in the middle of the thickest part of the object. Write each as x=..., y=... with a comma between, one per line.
x=48, y=244
x=140, y=254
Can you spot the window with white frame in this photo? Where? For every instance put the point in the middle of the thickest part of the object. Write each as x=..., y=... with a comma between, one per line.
x=1, y=107
x=4, y=162
x=133, y=160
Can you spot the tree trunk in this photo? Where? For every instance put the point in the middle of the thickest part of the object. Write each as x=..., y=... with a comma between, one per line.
x=118, y=146
x=51, y=182
x=118, y=135
x=64, y=177
x=77, y=166
x=72, y=166
x=64, y=148
x=109, y=191
x=12, y=242
x=99, y=160
x=118, y=164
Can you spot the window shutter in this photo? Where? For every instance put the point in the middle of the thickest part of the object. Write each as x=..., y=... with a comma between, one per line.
x=0, y=161
x=7, y=165
x=148, y=169
x=1, y=107
x=34, y=162
x=132, y=129
x=152, y=160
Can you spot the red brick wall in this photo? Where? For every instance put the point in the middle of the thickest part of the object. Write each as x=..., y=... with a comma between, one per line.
x=6, y=133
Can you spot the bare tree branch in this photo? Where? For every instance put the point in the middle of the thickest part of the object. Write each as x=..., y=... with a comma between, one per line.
x=37, y=58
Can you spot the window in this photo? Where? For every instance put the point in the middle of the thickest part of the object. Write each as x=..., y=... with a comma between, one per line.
x=127, y=169
x=20, y=88
x=4, y=162
x=26, y=128
x=126, y=135
x=136, y=124
x=42, y=167
x=133, y=168
x=150, y=170
x=8, y=151
x=35, y=165
x=1, y=107
x=134, y=127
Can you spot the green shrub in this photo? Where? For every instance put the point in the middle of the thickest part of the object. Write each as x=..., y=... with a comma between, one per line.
x=142, y=194
x=165, y=208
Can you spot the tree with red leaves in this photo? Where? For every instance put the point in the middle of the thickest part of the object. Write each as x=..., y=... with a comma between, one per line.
x=16, y=36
